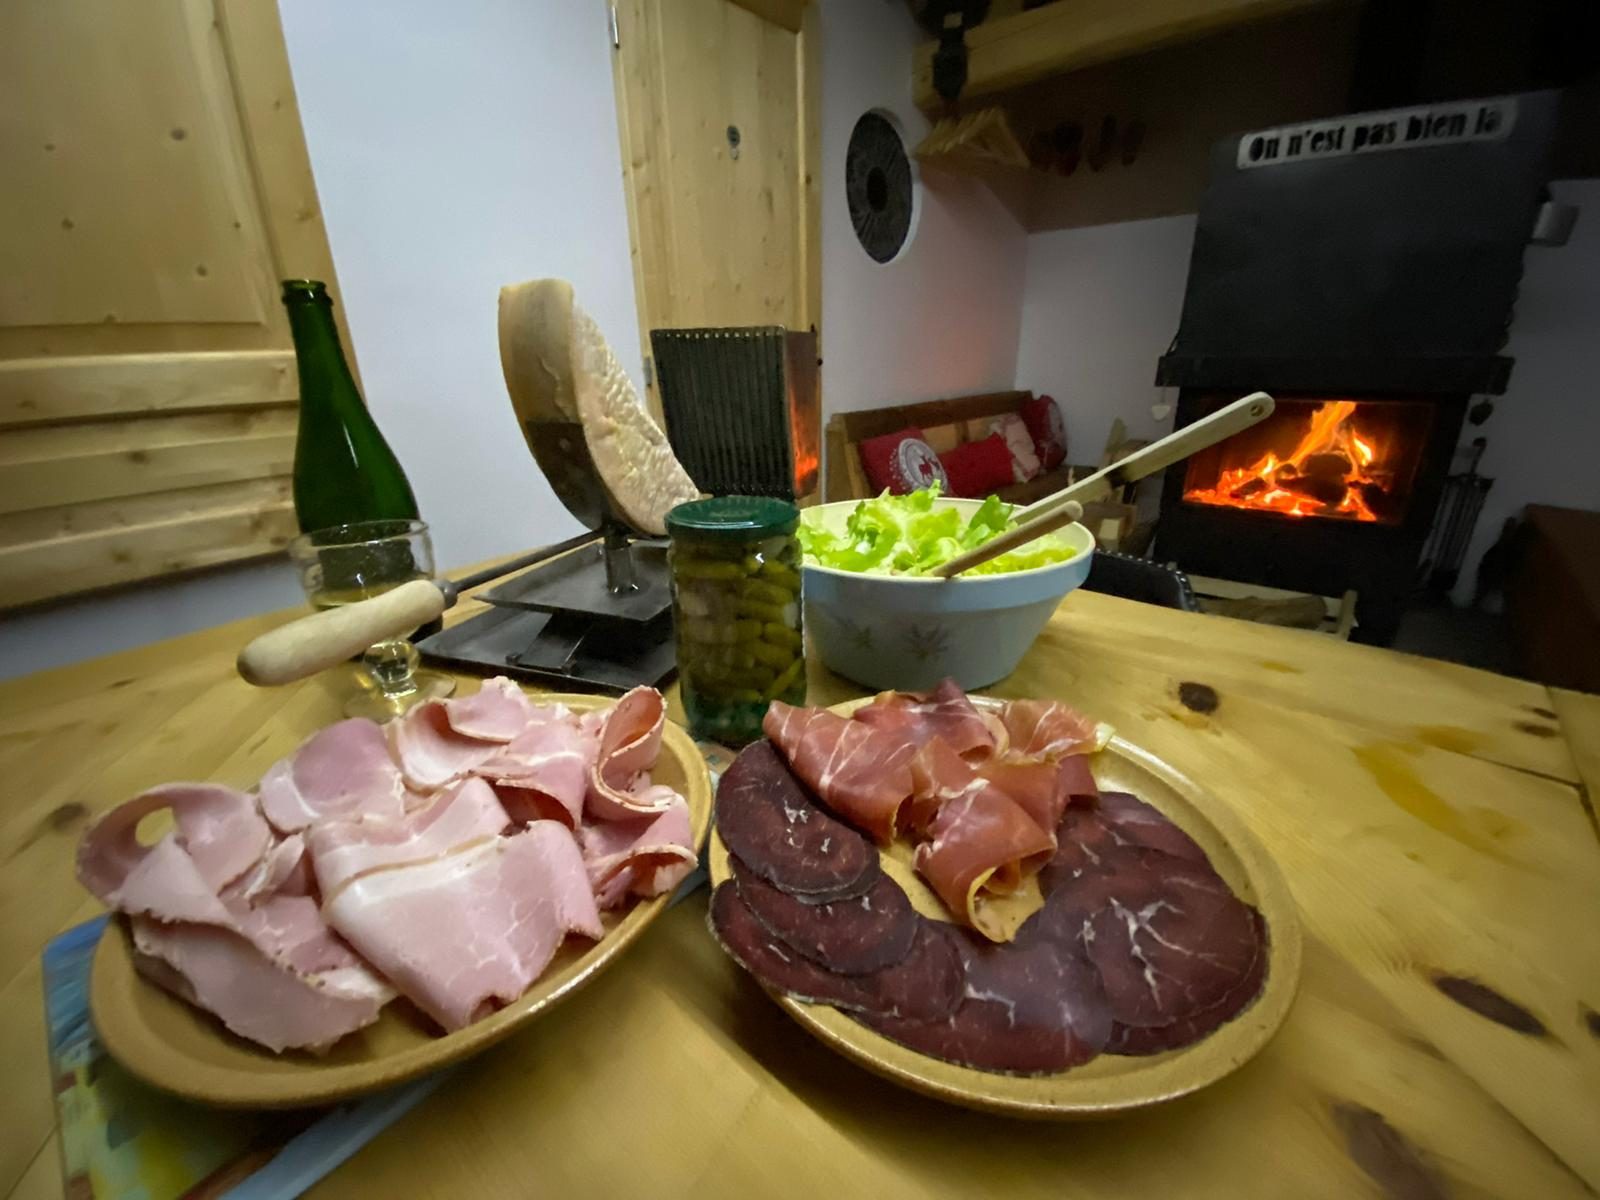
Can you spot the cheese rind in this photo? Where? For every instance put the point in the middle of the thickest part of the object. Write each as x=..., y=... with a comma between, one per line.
x=559, y=368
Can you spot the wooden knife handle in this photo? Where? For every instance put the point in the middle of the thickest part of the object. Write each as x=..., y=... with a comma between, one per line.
x=326, y=639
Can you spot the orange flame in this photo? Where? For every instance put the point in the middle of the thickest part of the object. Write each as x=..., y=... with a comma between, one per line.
x=1330, y=472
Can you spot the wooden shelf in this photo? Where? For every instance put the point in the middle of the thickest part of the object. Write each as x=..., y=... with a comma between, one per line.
x=1009, y=52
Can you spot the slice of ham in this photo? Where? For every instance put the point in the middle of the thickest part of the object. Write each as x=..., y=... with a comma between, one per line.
x=431, y=752
x=497, y=712
x=944, y=713
x=861, y=772
x=981, y=839
x=342, y=771
x=284, y=870
x=345, y=850
x=630, y=741
x=227, y=974
x=646, y=856
x=543, y=773
x=217, y=828
x=460, y=934
x=1050, y=729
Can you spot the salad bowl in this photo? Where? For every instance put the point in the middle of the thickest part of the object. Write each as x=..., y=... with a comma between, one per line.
x=907, y=632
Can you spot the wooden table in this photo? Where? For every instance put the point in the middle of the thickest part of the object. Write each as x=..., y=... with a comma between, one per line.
x=1433, y=822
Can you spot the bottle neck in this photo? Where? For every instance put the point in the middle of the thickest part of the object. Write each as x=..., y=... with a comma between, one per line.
x=324, y=375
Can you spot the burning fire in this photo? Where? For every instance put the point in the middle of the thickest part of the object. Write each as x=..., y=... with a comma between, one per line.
x=1334, y=471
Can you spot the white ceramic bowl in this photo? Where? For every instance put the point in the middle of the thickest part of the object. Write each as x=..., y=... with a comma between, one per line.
x=908, y=633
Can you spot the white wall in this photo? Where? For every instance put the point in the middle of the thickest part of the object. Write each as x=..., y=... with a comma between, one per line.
x=942, y=319
x=1099, y=308
x=456, y=148
x=1546, y=428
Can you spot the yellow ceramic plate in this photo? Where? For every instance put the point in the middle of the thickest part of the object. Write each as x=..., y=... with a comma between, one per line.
x=1107, y=1084
x=177, y=1047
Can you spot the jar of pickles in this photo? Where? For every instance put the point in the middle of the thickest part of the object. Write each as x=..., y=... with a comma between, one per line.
x=736, y=610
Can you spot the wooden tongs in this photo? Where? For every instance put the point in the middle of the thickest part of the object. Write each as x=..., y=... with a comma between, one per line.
x=1066, y=506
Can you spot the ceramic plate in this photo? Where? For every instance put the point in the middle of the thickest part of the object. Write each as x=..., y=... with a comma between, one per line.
x=184, y=1050
x=1107, y=1084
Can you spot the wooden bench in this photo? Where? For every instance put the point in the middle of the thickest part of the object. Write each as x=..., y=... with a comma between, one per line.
x=945, y=423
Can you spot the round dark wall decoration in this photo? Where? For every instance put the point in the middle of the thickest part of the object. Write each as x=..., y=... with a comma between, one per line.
x=877, y=182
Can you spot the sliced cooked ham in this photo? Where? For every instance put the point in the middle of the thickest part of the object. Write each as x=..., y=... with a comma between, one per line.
x=345, y=850
x=430, y=751
x=341, y=771
x=1049, y=729
x=226, y=973
x=646, y=856
x=283, y=870
x=217, y=827
x=630, y=740
x=497, y=712
x=460, y=934
x=543, y=773
x=944, y=713
x=861, y=772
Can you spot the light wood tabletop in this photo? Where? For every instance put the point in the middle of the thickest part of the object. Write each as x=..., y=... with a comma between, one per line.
x=1433, y=822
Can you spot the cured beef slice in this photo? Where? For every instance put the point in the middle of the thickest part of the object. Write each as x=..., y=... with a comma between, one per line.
x=1143, y=824
x=1026, y=1010
x=775, y=829
x=925, y=984
x=1169, y=942
x=1132, y=1040
x=852, y=937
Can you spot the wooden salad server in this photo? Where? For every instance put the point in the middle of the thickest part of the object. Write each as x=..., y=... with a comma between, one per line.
x=1066, y=506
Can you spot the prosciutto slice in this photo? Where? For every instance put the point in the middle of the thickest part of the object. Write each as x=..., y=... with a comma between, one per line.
x=630, y=741
x=1050, y=729
x=345, y=850
x=461, y=934
x=861, y=772
x=944, y=713
x=340, y=771
x=981, y=840
x=646, y=856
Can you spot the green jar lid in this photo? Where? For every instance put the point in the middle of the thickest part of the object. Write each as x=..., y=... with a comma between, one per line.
x=733, y=518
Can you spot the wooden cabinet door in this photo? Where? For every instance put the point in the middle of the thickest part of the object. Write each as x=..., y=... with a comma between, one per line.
x=156, y=190
x=717, y=104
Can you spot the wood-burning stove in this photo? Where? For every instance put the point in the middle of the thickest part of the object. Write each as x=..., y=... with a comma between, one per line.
x=1363, y=271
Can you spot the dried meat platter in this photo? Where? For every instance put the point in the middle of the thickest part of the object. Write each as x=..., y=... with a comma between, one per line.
x=183, y=1050
x=1108, y=1084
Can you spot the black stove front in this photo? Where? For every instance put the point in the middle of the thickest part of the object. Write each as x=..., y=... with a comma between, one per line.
x=1362, y=271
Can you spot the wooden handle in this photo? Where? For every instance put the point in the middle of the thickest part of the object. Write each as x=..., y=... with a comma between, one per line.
x=1066, y=506
x=326, y=639
x=1026, y=532
x=1157, y=456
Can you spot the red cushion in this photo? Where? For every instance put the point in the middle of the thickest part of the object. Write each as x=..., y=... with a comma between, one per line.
x=901, y=470
x=978, y=468
x=1043, y=420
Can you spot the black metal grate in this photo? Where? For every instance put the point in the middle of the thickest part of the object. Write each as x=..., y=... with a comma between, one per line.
x=725, y=398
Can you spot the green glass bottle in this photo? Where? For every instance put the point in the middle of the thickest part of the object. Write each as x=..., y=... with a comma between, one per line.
x=343, y=469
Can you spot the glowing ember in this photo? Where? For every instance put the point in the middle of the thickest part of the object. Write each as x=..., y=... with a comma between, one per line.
x=1334, y=471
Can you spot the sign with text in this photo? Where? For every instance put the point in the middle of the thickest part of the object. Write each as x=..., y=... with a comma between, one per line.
x=1365, y=133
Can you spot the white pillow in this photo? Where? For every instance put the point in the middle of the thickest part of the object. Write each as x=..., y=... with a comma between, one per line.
x=1024, y=459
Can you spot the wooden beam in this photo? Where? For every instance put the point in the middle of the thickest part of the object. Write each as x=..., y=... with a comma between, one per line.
x=1071, y=34
x=35, y=391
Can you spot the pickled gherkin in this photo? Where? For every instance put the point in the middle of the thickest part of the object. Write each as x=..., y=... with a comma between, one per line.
x=736, y=608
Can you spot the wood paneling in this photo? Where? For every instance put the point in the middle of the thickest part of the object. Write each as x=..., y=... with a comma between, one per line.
x=1009, y=51
x=157, y=189
x=720, y=234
